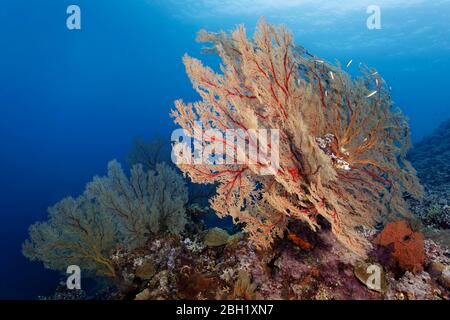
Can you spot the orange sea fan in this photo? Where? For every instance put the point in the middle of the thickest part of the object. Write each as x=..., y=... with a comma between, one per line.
x=341, y=152
x=407, y=246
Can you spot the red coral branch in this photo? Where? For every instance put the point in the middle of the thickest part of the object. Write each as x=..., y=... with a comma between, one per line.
x=321, y=90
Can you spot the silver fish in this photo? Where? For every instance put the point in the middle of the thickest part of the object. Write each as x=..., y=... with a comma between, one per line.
x=371, y=94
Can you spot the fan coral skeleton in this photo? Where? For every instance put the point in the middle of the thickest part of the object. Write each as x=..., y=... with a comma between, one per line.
x=341, y=152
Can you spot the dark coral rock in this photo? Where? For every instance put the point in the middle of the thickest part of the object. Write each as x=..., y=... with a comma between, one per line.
x=196, y=285
x=431, y=156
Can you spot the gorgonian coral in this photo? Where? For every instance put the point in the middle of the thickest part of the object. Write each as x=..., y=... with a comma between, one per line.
x=115, y=210
x=342, y=142
x=76, y=233
x=145, y=203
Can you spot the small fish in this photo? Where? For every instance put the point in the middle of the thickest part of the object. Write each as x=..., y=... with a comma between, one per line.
x=376, y=72
x=376, y=81
x=349, y=63
x=371, y=94
x=319, y=61
x=326, y=93
x=331, y=75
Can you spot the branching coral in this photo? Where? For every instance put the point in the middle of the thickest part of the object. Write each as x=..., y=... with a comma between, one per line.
x=341, y=146
x=145, y=203
x=114, y=210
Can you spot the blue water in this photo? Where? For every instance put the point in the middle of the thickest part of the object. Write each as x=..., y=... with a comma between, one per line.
x=72, y=100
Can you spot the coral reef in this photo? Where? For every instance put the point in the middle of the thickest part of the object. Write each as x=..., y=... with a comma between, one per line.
x=415, y=287
x=342, y=169
x=430, y=157
x=436, y=215
x=113, y=211
x=238, y=271
x=342, y=142
x=185, y=267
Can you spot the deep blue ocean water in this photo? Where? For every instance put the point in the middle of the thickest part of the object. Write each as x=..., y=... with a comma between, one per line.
x=72, y=100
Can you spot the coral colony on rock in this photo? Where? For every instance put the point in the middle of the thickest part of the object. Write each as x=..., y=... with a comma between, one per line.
x=341, y=213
